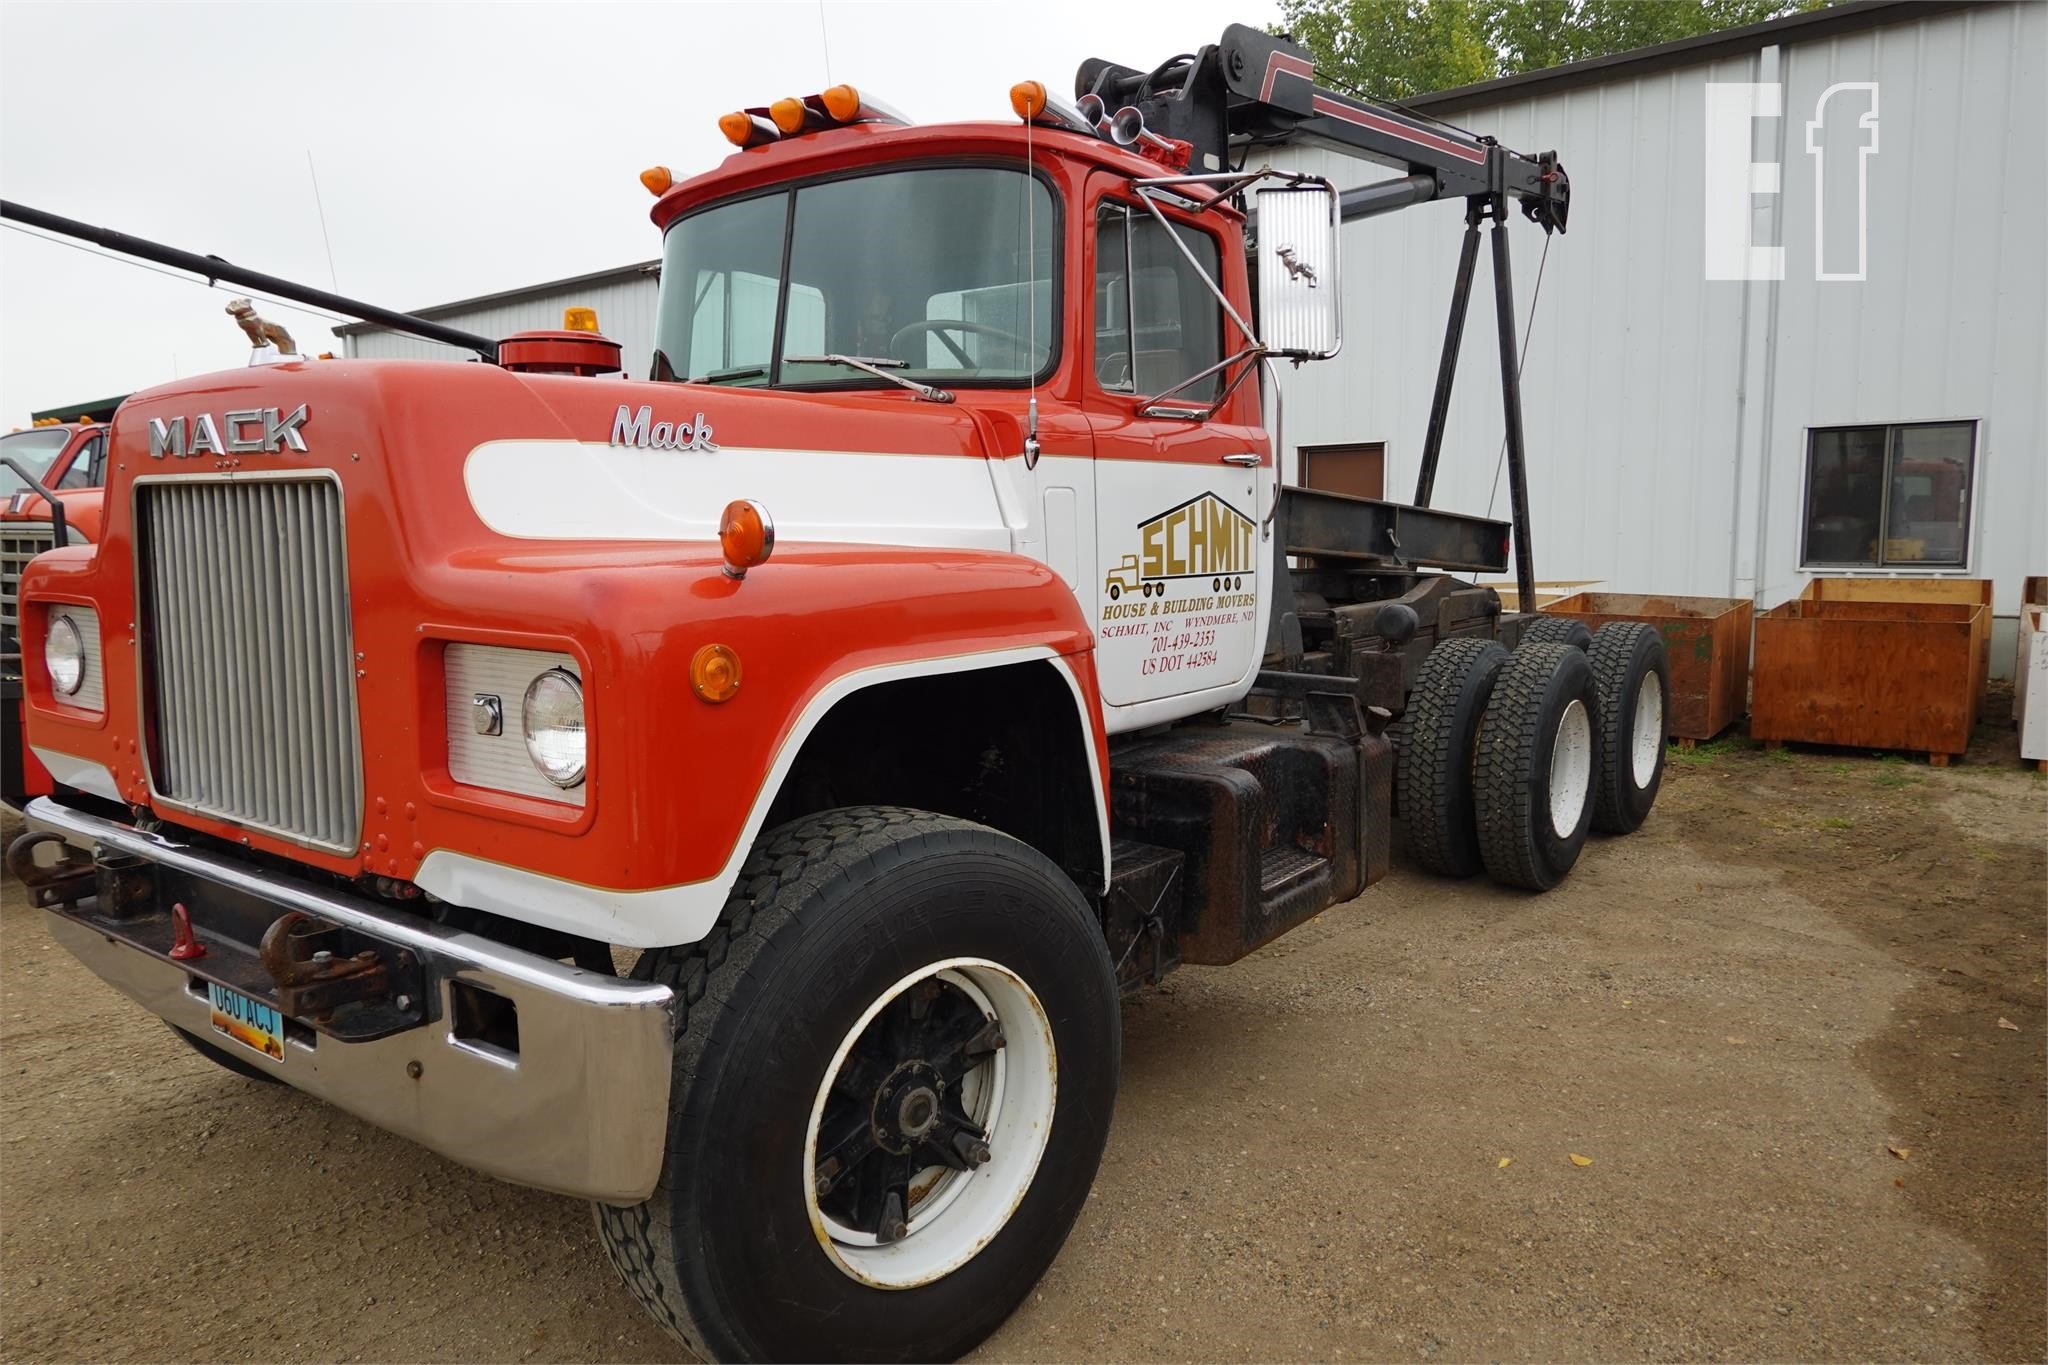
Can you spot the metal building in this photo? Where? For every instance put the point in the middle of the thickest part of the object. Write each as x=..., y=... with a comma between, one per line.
x=1688, y=434
x=623, y=297
x=1730, y=437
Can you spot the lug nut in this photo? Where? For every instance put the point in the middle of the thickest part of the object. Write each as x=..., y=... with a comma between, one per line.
x=972, y=1149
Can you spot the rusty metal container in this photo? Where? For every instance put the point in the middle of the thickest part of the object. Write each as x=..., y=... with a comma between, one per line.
x=1874, y=664
x=1706, y=642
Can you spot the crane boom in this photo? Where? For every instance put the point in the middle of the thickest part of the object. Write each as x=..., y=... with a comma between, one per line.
x=1258, y=89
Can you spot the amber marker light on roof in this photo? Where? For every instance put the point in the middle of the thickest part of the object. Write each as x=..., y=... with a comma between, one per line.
x=737, y=127
x=715, y=673
x=657, y=180
x=1028, y=99
x=788, y=115
x=579, y=319
x=842, y=102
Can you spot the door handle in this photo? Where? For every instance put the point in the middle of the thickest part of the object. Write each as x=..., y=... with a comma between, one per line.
x=1248, y=461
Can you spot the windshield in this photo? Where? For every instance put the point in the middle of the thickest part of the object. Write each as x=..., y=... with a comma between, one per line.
x=925, y=272
x=32, y=450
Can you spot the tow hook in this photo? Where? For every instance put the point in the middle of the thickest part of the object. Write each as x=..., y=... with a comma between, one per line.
x=68, y=880
x=313, y=979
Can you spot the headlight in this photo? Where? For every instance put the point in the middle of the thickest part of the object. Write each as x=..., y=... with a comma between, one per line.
x=64, y=657
x=554, y=726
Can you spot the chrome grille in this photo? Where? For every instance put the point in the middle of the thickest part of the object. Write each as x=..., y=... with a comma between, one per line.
x=251, y=665
x=20, y=541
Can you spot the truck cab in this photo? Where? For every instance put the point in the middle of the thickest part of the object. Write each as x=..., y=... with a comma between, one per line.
x=741, y=796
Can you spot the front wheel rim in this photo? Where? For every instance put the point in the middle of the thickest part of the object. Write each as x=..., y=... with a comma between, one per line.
x=930, y=1122
x=1571, y=768
x=1647, y=739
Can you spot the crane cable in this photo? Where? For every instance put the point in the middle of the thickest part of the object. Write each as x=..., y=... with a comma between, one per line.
x=1528, y=327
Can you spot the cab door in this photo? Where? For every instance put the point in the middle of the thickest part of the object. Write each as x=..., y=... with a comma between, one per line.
x=1180, y=532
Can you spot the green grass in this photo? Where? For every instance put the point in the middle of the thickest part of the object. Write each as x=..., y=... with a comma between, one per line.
x=1837, y=822
x=1894, y=778
x=1704, y=753
x=1780, y=756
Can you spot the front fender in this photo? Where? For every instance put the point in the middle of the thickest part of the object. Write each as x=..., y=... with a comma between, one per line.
x=679, y=788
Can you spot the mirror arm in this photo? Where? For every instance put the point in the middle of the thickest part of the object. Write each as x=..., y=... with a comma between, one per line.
x=60, y=532
x=1221, y=298
x=1156, y=406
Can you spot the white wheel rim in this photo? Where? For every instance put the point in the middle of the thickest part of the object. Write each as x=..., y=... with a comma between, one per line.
x=954, y=1214
x=1647, y=741
x=1571, y=768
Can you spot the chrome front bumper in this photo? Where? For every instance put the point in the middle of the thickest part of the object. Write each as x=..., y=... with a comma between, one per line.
x=580, y=1108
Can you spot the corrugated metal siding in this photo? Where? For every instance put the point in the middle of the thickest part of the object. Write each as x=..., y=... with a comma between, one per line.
x=625, y=313
x=1653, y=465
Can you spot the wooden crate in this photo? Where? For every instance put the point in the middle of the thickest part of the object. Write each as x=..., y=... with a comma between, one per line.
x=1706, y=644
x=1548, y=590
x=1845, y=663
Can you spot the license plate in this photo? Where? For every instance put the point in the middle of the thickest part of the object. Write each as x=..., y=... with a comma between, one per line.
x=253, y=1024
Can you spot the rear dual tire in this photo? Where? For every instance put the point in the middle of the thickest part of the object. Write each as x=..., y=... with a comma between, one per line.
x=1557, y=630
x=1433, y=748
x=755, y=1244
x=1629, y=664
x=1538, y=756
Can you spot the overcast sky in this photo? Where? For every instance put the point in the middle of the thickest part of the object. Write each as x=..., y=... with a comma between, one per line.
x=460, y=148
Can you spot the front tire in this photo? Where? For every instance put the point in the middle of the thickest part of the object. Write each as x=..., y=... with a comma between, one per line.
x=807, y=1208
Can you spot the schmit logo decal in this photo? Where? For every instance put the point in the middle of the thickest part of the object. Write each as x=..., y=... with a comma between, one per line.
x=1204, y=537
x=1201, y=538
x=1194, y=563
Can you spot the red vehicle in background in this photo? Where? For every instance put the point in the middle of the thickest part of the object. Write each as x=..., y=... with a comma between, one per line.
x=67, y=460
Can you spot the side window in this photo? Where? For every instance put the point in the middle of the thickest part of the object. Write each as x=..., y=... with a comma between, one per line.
x=88, y=467
x=1156, y=322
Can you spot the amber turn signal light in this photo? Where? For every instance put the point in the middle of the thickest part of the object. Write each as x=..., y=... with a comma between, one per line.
x=715, y=673
x=746, y=535
x=657, y=180
x=1028, y=99
x=842, y=103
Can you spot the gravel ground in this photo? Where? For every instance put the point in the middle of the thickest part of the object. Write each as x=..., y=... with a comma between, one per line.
x=1772, y=1022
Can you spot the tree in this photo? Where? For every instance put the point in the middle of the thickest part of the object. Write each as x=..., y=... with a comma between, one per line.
x=1393, y=49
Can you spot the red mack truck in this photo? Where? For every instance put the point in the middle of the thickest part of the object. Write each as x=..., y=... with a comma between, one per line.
x=740, y=797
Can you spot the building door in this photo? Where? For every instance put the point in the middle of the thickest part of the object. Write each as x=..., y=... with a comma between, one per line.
x=1360, y=469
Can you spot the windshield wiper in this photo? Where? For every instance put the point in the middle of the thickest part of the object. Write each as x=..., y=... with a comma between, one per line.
x=728, y=376
x=879, y=367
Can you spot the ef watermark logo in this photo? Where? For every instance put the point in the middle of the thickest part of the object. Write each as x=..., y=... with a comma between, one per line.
x=1841, y=137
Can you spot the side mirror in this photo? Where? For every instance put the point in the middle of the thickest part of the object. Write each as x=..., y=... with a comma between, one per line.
x=1300, y=312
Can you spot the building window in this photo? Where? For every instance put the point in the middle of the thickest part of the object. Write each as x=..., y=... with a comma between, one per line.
x=1360, y=470
x=1889, y=497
